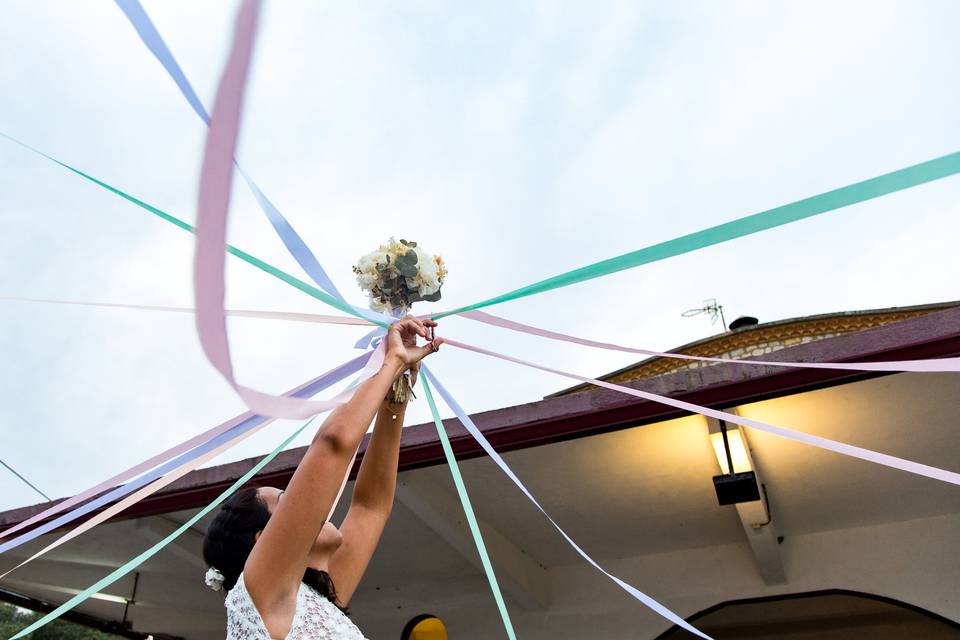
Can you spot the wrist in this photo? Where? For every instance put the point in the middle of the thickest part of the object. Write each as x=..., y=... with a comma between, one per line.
x=392, y=406
x=393, y=365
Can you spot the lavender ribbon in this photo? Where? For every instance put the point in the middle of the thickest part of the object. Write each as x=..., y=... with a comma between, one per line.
x=485, y=444
x=287, y=234
x=151, y=37
x=246, y=424
x=798, y=436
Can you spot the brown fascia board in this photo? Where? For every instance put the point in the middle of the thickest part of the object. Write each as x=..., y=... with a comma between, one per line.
x=936, y=335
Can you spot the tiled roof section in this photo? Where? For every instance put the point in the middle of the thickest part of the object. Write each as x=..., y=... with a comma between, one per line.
x=760, y=340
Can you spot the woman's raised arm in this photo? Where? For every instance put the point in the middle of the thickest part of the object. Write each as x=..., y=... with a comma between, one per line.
x=275, y=566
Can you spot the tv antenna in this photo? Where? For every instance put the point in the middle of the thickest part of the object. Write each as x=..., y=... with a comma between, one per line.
x=710, y=307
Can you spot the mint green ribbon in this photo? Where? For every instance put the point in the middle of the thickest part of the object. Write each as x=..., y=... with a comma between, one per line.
x=152, y=551
x=468, y=511
x=243, y=255
x=843, y=197
x=899, y=180
x=892, y=182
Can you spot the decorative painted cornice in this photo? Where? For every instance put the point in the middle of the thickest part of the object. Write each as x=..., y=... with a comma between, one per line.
x=763, y=339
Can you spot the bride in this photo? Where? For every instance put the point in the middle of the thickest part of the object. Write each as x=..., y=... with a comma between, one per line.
x=289, y=572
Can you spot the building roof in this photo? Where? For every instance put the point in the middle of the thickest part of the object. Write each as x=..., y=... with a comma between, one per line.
x=905, y=333
x=630, y=481
x=760, y=340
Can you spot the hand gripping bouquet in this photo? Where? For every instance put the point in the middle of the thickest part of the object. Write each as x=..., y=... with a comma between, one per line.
x=395, y=276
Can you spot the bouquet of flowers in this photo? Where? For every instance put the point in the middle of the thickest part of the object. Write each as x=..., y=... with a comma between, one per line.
x=395, y=276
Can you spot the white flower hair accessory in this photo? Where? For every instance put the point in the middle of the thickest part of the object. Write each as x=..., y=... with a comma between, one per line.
x=214, y=579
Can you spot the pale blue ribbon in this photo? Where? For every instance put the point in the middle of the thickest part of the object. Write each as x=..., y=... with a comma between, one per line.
x=485, y=444
x=246, y=425
x=306, y=259
x=472, y=523
x=115, y=575
x=288, y=235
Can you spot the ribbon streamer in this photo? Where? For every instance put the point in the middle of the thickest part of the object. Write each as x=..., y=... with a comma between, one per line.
x=485, y=444
x=216, y=178
x=227, y=432
x=797, y=436
x=307, y=389
x=288, y=235
x=132, y=499
x=235, y=313
x=152, y=551
x=892, y=182
x=212, y=349
x=933, y=365
x=920, y=366
x=468, y=512
x=845, y=196
x=151, y=37
x=291, y=239
x=295, y=282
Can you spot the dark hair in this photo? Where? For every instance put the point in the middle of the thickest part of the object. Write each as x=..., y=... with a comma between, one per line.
x=232, y=534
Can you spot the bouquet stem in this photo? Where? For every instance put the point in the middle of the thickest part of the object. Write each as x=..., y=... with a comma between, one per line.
x=401, y=392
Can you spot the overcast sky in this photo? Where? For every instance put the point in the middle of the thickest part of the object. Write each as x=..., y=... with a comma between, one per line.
x=518, y=140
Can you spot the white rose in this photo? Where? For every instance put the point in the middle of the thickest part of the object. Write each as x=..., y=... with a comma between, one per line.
x=369, y=262
x=428, y=280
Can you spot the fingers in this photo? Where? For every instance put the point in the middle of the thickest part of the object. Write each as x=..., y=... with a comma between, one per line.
x=411, y=323
x=409, y=327
x=431, y=347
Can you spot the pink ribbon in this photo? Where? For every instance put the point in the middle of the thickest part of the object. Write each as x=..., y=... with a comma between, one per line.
x=289, y=316
x=933, y=365
x=816, y=441
x=135, y=497
x=213, y=204
x=923, y=366
x=370, y=369
x=179, y=472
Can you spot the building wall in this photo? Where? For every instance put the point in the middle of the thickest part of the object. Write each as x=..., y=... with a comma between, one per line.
x=913, y=562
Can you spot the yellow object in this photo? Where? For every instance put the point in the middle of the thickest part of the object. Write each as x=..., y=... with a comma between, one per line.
x=429, y=629
x=738, y=450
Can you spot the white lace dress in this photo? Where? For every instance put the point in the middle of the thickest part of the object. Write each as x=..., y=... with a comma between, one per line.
x=315, y=618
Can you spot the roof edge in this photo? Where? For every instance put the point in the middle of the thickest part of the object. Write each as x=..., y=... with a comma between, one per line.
x=578, y=415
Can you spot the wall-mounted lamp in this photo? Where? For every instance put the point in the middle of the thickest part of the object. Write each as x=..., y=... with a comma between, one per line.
x=738, y=482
